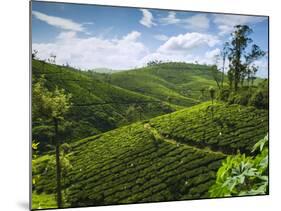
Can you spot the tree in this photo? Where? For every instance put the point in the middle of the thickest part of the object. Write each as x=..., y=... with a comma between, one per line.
x=154, y=62
x=202, y=90
x=34, y=147
x=216, y=75
x=34, y=54
x=140, y=111
x=250, y=58
x=212, y=93
x=239, y=59
x=224, y=54
x=52, y=106
x=130, y=115
x=239, y=42
x=169, y=99
x=53, y=58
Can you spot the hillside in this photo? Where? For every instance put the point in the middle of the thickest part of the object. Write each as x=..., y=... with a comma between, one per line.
x=97, y=106
x=101, y=101
x=181, y=82
x=170, y=157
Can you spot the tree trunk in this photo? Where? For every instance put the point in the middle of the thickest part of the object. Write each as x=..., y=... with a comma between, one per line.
x=58, y=166
x=235, y=85
x=222, y=75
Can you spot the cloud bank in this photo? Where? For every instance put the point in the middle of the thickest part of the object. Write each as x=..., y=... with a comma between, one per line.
x=94, y=52
x=124, y=53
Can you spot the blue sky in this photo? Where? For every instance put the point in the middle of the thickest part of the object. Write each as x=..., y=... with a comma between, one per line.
x=91, y=36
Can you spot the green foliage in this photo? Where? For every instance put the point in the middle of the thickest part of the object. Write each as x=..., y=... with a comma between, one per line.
x=230, y=129
x=170, y=157
x=212, y=92
x=260, y=98
x=88, y=88
x=44, y=170
x=122, y=167
x=224, y=94
x=43, y=201
x=243, y=175
x=240, y=69
x=34, y=147
x=157, y=159
x=256, y=96
x=49, y=104
x=241, y=98
x=181, y=81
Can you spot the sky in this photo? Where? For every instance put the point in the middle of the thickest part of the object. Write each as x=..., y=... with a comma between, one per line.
x=118, y=38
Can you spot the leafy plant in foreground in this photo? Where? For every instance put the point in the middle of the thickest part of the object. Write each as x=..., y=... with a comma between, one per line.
x=242, y=175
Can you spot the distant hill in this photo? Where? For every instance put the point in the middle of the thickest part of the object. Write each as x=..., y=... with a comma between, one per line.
x=101, y=101
x=103, y=70
x=97, y=106
x=182, y=82
x=170, y=157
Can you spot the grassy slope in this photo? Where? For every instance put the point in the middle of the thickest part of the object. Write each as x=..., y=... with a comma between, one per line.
x=89, y=120
x=176, y=80
x=182, y=82
x=155, y=160
x=221, y=127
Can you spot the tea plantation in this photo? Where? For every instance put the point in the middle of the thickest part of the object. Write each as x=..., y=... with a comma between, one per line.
x=221, y=127
x=170, y=157
x=101, y=101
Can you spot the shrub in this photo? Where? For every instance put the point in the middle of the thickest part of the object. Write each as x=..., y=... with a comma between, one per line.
x=243, y=175
x=260, y=99
x=224, y=94
x=256, y=96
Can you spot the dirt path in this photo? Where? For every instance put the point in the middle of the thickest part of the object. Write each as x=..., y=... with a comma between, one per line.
x=159, y=137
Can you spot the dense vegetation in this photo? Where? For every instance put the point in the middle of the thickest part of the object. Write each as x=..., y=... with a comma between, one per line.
x=242, y=175
x=100, y=104
x=141, y=162
x=255, y=95
x=180, y=81
x=166, y=131
x=221, y=127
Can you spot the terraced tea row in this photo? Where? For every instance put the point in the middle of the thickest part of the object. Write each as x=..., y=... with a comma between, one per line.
x=141, y=172
x=220, y=127
x=171, y=157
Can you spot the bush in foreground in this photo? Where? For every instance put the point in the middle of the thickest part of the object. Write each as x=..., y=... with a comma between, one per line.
x=242, y=175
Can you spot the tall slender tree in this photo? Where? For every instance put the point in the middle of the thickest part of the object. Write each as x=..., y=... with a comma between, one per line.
x=224, y=54
x=52, y=106
x=240, y=60
x=239, y=42
x=130, y=115
x=250, y=58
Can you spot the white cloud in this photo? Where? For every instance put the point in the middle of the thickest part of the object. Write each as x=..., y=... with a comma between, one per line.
x=170, y=19
x=147, y=18
x=161, y=37
x=184, y=43
x=183, y=47
x=226, y=23
x=93, y=52
x=58, y=22
x=195, y=22
x=200, y=21
x=131, y=37
x=125, y=52
x=212, y=53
